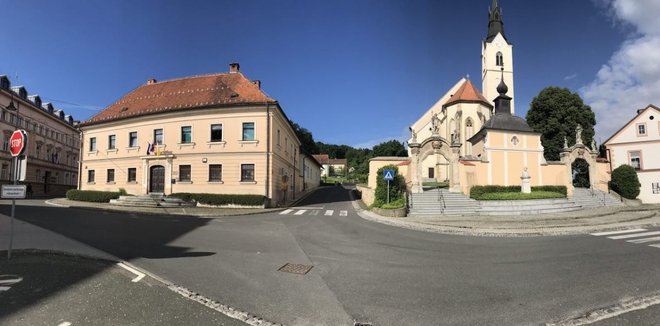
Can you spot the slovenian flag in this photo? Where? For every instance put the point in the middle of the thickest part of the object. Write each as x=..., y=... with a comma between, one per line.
x=149, y=149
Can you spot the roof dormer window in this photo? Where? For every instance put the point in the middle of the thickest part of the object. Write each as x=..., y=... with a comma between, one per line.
x=4, y=82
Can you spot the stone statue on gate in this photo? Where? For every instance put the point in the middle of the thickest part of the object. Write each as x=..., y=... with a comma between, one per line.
x=435, y=123
x=565, y=142
x=578, y=135
x=413, y=134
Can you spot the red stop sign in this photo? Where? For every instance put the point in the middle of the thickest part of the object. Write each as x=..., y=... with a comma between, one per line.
x=17, y=142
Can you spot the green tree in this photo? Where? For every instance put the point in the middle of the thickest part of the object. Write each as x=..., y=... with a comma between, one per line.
x=625, y=181
x=390, y=148
x=307, y=143
x=397, y=186
x=555, y=113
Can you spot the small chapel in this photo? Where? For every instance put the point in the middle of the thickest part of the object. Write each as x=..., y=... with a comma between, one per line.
x=471, y=137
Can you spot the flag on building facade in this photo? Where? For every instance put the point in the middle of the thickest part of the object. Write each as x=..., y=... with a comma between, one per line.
x=148, y=148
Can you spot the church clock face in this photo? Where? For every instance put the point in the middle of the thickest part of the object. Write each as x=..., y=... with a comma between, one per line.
x=498, y=44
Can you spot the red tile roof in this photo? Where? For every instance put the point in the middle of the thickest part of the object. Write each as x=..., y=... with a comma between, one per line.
x=224, y=89
x=467, y=93
x=325, y=159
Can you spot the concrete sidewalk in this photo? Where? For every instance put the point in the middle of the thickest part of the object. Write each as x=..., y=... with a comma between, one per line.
x=575, y=222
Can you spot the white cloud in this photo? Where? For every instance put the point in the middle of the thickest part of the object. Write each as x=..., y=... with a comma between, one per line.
x=631, y=78
x=569, y=77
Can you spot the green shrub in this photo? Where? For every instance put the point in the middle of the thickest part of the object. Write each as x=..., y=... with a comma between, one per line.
x=477, y=192
x=397, y=186
x=520, y=195
x=436, y=184
x=91, y=195
x=222, y=199
x=625, y=182
x=399, y=203
x=122, y=192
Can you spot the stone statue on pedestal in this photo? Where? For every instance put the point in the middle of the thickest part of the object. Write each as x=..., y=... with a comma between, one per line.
x=578, y=135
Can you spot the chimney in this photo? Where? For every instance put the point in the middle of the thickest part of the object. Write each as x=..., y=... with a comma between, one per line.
x=234, y=67
x=257, y=83
x=151, y=81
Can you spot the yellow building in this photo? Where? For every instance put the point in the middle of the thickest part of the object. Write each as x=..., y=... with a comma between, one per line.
x=215, y=133
x=53, y=141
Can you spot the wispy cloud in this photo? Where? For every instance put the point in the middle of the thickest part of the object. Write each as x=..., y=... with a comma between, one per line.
x=631, y=78
x=571, y=76
x=403, y=136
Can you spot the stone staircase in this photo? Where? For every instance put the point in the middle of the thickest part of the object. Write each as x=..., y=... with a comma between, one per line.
x=436, y=202
x=152, y=200
x=527, y=207
x=590, y=198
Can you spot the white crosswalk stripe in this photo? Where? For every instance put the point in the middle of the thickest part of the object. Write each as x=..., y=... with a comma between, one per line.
x=300, y=212
x=343, y=213
x=617, y=232
x=314, y=212
x=329, y=212
x=286, y=212
x=634, y=235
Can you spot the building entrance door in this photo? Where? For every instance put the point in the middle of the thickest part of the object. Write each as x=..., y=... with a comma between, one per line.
x=157, y=179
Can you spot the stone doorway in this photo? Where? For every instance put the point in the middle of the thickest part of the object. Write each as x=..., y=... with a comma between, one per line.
x=157, y=179
x=580, y=173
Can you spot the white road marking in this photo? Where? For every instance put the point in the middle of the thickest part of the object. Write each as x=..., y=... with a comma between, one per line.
x=343, y=213
x=300, y=212
x=286, y=212
x=310, y=207
x=329, y=212
x=12, y=279
x=617, y=232
x=140, y=275
x=314, y=212
x=657, y=245
x=66, y=323
x=635, y=235
x=644, y=240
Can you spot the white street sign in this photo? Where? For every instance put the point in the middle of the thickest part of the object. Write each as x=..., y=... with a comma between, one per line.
x=13, y=191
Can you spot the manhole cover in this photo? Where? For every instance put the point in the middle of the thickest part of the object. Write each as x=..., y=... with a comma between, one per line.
x=295, y=268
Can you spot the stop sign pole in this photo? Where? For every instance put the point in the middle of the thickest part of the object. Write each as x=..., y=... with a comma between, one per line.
x=17, y=145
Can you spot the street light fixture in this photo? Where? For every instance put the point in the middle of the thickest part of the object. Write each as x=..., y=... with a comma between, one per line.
x=15, y=161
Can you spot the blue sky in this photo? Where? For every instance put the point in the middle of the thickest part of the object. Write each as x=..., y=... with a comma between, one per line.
x=352, y=72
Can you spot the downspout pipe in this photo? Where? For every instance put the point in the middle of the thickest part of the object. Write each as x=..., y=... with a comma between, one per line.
x=80, y=160
x=268, y=152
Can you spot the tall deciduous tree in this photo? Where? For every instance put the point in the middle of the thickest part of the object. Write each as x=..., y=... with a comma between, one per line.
x=390, y=148
x=306, y=138
x=555, y=113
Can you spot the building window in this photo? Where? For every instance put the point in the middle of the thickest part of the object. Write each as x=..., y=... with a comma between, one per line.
x=655, y=187
x=216, y=132
x=215, y=172
x=636, y=159
x=641, y=129
x=184, y=172
x=92, y=144
x=431, y=173
x=158, y=136
x=278, y=136
x=247, y=172
x=499, y=60
x=132, y=174
x=132, y=139
x=90, y=176
x=111, y=175
x=248, y=130
x=186, y=135
x=5, y=143
x=112, y=142
x=4, y=173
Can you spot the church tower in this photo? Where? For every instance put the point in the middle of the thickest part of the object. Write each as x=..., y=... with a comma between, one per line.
x=496, y=53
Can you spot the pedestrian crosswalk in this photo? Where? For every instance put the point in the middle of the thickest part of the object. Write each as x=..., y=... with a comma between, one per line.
x=314, y=212
x=636, y=236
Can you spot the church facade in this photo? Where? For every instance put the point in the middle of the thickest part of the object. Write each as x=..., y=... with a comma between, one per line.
x=470, y=138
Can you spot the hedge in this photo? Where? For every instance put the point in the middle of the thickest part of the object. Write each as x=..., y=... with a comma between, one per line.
x=399, y=203
x=477, y=192
x=92, y=195
x=435, y=184
x=222, y=199
x=520, y=195
x=625, y=182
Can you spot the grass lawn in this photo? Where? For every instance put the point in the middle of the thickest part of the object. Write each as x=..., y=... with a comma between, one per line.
x=520, y=195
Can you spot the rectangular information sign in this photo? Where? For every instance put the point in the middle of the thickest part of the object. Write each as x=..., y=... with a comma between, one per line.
x=13, y=191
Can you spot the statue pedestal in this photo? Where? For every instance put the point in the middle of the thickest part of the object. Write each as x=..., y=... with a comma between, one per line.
x=526, y=185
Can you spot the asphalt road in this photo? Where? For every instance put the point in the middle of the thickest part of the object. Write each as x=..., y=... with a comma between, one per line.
x=366, y=271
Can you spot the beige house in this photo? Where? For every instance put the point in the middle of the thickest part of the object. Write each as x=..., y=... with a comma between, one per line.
x=53, y=141
x=637, y=144
x=331, y=166
x=469, y=139
x=217, y=133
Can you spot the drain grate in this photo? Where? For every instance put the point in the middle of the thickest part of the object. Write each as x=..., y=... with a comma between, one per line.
x=357, y=323
x=295, y=268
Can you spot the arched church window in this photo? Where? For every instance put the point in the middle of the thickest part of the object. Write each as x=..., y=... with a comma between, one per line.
x=499, y=60
x=469, y=132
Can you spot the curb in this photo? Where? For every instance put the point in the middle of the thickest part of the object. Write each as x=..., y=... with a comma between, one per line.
x=468, y=231
x=114, y=210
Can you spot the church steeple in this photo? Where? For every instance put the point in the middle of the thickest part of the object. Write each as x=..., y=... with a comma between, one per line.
x=495, y=22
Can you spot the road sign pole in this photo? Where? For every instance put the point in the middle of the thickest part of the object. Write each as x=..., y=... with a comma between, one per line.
x=13, y=207
x=388, y=193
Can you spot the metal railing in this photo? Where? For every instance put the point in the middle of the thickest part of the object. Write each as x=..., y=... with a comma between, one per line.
x=441, y=198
